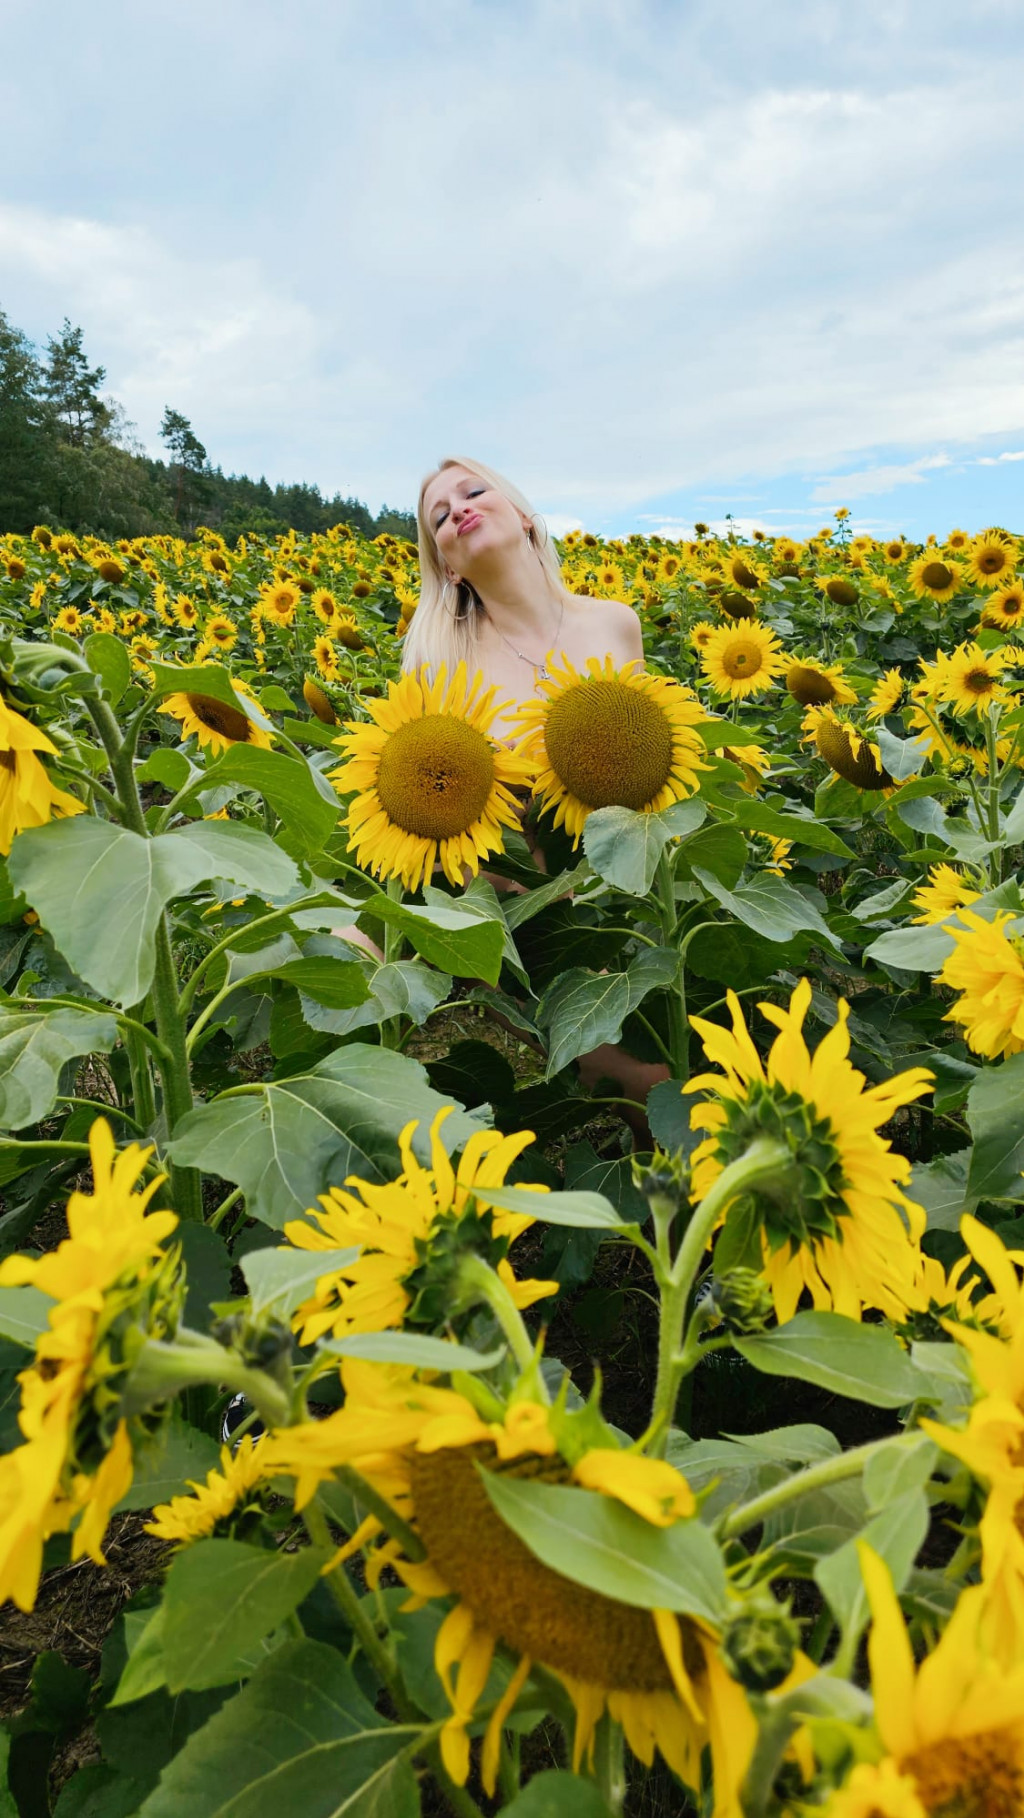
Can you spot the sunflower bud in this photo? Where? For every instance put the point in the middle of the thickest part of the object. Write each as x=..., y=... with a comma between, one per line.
x=663, y=1181
x=742, y=1299
x=736, y=605
x=842, y=593
x=760, y=1643
x=318, y=703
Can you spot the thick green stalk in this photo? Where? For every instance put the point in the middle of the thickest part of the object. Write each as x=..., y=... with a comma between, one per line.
x=995, y=859
x=164, y=1367
x=351, y=1608
x=394, y=943
x=814, y=1477
x=186, y=1183
x=142, y=1079
x=610, y=1763
x=478, y=1282
x=762, y=1160
x=678, y=1026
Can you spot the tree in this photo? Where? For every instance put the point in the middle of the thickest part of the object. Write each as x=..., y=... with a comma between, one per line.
x=25, y=442
x=188, y=466
x=71, y=386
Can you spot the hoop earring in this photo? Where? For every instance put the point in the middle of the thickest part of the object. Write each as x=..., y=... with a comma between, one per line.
x=447, y=589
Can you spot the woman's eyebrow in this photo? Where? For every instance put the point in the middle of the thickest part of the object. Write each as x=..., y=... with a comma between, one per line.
x=439, y=502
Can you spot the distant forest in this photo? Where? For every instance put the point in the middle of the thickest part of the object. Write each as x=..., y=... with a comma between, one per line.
x=69, y=457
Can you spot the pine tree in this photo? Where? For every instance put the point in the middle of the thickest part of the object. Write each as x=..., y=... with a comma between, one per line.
x=72, y=388
x=26, y=447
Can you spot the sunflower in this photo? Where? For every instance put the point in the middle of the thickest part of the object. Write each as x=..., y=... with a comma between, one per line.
x=838, y=1229
x=325, y=658
x=188, y=1518
x=946, y=891
x=221, y=630
x=185, y=612
x=702, y=632
x=27, y=796
x=886, y=695
x=325, y=606
x=216, y=725
x=787, y=550
x=109, y=569
x=818, y=684
x=317, y=702
x=933, y=578
x=894, y=551
x=742, y=662
x=1004, y=609
x=739, y=571
x=105, y=620
x=611, y=738
x=970, y=681
x=952, y=1729
x=991, y=560
x=347, y=632
x=958, y=541
x=76, y=1459
x=432, y=782
x=408, y=1234
x=754, y=761
x=71, y=620
x=987, y=968
x=845, y=750
x=735, y=605
x=426, y=1449
x=840, y=592
x=278, y=603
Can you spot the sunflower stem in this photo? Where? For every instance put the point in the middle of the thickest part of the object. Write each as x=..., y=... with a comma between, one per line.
x=675, y=1358
x=350, y=1606
x=995, y=859
x=610, y=1763
x=813, y=1477
x=165, y=1366
x=394, y=943
x=678, y=1026
x=187, y=997
x=478, y=1282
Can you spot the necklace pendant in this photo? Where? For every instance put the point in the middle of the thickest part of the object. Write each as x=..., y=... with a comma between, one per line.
x=542, y=673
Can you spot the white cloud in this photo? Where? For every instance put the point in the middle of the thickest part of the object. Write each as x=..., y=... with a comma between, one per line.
x=834, y=489
x=995, y=460
x=560, y=523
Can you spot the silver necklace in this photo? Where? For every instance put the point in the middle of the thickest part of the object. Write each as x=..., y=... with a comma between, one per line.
x=540, y=670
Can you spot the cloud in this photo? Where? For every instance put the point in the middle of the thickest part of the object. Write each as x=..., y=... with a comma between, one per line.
x=835, y=489
x=994, y=460
x=618, y=251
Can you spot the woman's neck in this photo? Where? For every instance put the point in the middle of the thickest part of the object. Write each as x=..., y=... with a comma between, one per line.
x=517, y=595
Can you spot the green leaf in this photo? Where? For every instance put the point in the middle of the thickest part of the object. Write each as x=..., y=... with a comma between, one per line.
x=279, y=1281
x=221, y=1598
x=717, y=734
x=866, y=1363
x=462, y=941
x=24, y=1314
x=34, y=1047
x=286, y=1141
x=483, y=900
x=169, y=768
x=940, y=1186
x=580, y=1011
x=926, y=948
x=210, y=679
x=399, y=988
x=240, y=855
x=895, y=1533
x=903, y=758
x=770, y=906
x=145, y=1670
x=720, y=848
x=100, y=890
x=520, y=909
x=416, y=1349
x=591, y=1211
x=556, y=1793
x=301, y=798
x=899, y=1467
x=596, y=1541
x=178, y=1455
x=994, y=1119
x=624, y=847
x=300, y=1738
x=108, y=658
x=336, y=983
x=756, y=817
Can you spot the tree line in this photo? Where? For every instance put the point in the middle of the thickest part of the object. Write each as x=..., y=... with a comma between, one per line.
x=69, y=457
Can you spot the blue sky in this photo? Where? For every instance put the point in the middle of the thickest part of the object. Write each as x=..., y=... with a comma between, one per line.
x=657, y=262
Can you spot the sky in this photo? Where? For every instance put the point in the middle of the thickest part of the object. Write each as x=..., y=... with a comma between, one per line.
x=656, y=262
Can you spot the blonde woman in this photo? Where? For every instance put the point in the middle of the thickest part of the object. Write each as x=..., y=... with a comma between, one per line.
x=492, y=593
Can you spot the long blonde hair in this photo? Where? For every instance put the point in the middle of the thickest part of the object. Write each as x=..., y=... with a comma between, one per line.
x=446, y=622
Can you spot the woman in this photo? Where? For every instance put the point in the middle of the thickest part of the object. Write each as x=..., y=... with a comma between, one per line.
x=492, y=593
x=492, y=596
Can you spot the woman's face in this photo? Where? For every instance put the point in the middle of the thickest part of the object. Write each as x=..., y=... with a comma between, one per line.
x=468, y=519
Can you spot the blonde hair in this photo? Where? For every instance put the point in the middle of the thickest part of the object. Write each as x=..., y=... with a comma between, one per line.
x=445, y=625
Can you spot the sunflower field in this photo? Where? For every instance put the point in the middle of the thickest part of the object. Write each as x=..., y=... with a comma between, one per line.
x=590, y=1448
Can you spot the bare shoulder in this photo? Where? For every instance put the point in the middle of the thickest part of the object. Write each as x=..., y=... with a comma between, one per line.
x=611, y=628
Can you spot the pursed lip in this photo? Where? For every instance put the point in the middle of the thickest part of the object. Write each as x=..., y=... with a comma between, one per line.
x=469, y=524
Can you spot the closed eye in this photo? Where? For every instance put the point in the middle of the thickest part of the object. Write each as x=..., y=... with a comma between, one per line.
x=475, y=494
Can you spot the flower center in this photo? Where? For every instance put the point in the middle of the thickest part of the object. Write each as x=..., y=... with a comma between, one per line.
x=858, y=766
x=8, y=762
x=811, y=687
x=937, y=575
x=741, y=574
x=531, y=1608
x=979, y=681
x=992, y=561
x=435, y=776
x=609, y=745
x=229, y=722
x=741, y=658
x=978, y=1776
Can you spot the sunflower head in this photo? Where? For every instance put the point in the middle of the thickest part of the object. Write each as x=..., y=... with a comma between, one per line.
x=819, y=1108
x=216, y=725
x=818, y=684
x=840, y=592
x=991, y=559
x=1004, y=609
x=611, y=738
x=317, y=702
x=742, y=661
x=736, y=605
x=847, y=753
x=432, y=782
